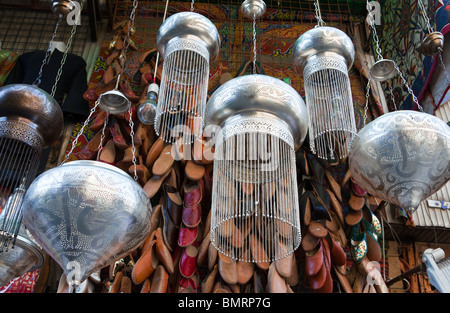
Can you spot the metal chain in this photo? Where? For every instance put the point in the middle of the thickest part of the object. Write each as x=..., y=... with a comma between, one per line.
x=392, y=97
x=102, y=138
x=157, y=54
x=130, y=26
x=69, y=43
x=254, y=44
x=444, y=68
x=320, y=21
x=425, y=16
x=366, y=108
x=192, y=6
x=133, y=148
x=374, y=32
x=47, y=54
x=407, y=87
x=75, y=141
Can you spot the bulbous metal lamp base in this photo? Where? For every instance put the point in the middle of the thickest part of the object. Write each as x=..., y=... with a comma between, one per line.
x=432, y=44
x=383, y=70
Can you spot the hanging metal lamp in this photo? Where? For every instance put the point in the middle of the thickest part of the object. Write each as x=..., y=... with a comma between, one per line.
x=30, y=120
x=324, y=55
x=402, y=157
x=262, y=122
x=188, y=42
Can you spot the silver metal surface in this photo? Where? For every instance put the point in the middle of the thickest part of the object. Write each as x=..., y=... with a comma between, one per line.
x=63, y=7
x=86, y=215
x=26, y=256
x=324, y=40
x=253, y=8
x=432, y=44
x=402, y=157
x=259, y=97
x=36, y=113
x=188, y=25
x=114, y=102
x=383, y=70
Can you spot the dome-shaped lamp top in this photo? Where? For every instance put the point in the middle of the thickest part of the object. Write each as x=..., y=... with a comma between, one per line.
x=189, y=25
x=35, y=106
x=250, y=95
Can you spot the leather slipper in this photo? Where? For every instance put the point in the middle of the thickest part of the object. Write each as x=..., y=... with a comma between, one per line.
x=208, y=283
x=154, y=152
x=356, y=202
x=125, y=286
x=153, y=185
x=336, y=207
x=259, y=253
x=244, y=269
x=145, y=265
x=159, y=280
x=188, y=261
x=146, y=285
x=317, y=229
x=275, y=282
x=283, y=264
x=194, y=171
x=164, y=162
x=309, y=242
x=228, y=269
x=335, y=187
x=212, y=256
x=353, y=217
x=203, y=250
x=187, y=235
x=162, y=252
x=314, y=261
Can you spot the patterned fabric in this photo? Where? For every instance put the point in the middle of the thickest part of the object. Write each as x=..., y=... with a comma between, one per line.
x=22, y=284
x=7, y=61
x=401, y=31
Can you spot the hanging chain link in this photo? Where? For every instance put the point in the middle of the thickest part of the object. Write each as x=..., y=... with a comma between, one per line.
x=75, y=141
x=254, y=44
x=408, y=88
x=69, y=43
x=102, y=138
x=47, y=54
x=318, y=14
x=192, y=6
x=391, y=90
x=425, y=16
x=133, y=148
x=366, y=108
x=374, y=32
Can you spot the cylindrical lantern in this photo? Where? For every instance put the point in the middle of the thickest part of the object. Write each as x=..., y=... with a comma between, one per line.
x=402, y=157
x=187, y=42
x=30, y=120
x=324, y=55
x=259, y=123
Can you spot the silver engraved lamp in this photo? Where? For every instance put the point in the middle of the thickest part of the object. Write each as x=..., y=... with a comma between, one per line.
x=86, y=215
x=259, y=122
x=188, y=42
x=402, y=157
x=323, y=55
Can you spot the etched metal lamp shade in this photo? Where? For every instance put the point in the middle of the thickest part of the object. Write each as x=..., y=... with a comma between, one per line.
x=187, y=42
x=26, y=256
x=86, y=215
x=262, y=122
x=402, y=157
x=30, y=120
x=323, y=55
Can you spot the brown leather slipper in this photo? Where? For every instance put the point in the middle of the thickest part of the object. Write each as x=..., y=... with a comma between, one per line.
x=208, y=283
x=317, y=229
x=283, y=264
x=259, y=253
x=154, y=152
x=356, y=202
x=228, y=270
x=153, y=185
x=275, y=282
x=353, y=217
x=194, y=171
x=164, y=162
x=244, y=270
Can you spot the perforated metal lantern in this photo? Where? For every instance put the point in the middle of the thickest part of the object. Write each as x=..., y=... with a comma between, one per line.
x=260, y=122
x=187, y=42
x=86, y=215
x=30, y=120
x=402, y=157
x=323, y=55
